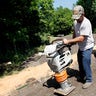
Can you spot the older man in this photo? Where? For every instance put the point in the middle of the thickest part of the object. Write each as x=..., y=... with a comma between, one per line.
x=83, y=36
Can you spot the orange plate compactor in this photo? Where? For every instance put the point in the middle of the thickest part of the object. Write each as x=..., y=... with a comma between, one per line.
x=59, y=57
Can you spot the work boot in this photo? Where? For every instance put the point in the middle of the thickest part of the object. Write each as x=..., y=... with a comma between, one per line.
x=86, y=85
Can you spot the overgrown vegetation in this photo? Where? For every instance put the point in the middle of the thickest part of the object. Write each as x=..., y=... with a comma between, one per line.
x=26, y=24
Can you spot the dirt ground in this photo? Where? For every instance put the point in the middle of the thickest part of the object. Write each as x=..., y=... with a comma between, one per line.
x=9, y=83
x=12, y=82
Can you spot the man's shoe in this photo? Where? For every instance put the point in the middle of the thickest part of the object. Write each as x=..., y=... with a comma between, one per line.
x=86, y=85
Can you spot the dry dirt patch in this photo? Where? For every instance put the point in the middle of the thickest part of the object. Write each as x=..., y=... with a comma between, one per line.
x=9, y=83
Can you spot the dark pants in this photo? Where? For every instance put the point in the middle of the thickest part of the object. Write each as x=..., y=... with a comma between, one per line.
x=84, y=61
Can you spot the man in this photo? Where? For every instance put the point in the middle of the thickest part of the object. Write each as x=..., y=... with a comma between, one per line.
x=83, y=36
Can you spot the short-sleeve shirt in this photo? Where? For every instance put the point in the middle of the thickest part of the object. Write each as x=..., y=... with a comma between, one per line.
x=84, y=29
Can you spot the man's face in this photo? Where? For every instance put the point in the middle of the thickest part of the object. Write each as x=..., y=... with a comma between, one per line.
x=75, y=12
x=80, y=16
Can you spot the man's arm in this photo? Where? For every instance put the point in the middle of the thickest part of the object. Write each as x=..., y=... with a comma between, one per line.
x=74, y=40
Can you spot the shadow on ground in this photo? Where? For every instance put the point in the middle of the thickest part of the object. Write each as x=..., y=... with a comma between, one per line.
x=94, y=53
x=51, y=82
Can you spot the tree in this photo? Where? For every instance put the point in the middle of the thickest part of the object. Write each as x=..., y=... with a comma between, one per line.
x=62, y=21
x=25, y=24
x=93, y=16
x=46, y=19
x=19, y=22
x=90, y=10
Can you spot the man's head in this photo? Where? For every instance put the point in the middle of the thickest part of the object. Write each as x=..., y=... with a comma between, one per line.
x=78, y=13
